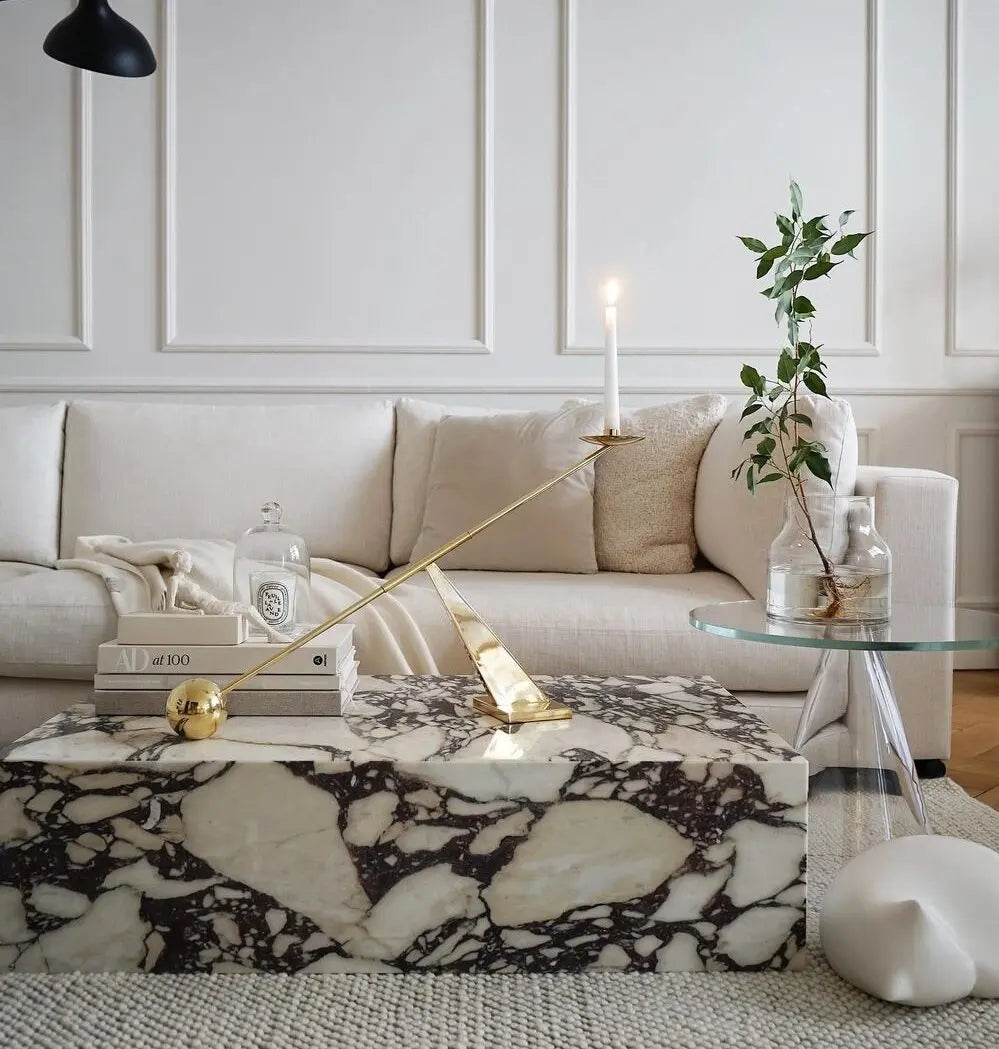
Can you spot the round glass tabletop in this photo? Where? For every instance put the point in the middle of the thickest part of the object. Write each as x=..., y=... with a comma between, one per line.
x=912, y=628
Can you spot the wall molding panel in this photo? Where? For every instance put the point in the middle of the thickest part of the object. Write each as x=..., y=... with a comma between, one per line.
x=83, y=204
x=959, y=434
x=227, y=387
x=868, y=445
x=483, y=340
x=954, y=347
x=568, y=341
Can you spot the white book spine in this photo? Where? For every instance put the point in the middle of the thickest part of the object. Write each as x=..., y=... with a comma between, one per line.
x=115, y=658
x=275, y=682
x=179, y=628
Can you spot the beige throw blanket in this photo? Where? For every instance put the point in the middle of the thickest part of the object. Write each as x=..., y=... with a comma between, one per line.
x=402, y=632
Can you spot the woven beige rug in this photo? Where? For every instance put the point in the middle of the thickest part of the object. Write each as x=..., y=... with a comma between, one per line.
x=812, y=1009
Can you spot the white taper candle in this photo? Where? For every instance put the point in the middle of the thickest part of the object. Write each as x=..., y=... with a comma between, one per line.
x=612, y=400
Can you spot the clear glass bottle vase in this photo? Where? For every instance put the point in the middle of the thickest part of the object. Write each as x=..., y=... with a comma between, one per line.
x=828, y=563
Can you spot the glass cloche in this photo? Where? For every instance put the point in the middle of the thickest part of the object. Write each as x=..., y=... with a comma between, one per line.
x=271, y=572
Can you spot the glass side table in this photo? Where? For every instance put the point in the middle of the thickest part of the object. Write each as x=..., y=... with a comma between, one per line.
x=850, y=727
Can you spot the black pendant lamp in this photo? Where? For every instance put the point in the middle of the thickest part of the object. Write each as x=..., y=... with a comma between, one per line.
x=94, y=37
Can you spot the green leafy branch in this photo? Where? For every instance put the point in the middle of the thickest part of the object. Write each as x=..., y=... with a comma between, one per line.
x=807, y=250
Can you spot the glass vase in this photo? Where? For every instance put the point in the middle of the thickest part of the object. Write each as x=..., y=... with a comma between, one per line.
x=271, y=572
x=828, y=563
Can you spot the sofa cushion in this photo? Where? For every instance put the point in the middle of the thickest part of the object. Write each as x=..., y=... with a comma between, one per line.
x=15, y=569
x=416, y=425
x=147, y=471
x=30, y=476
x=482, y=464
x=643, y=501
x=51, y=623
x=615, y=623
x=734, y=528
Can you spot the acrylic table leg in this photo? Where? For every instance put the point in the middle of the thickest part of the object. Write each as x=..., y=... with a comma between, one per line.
x=851, y=705
x=888, y=724
x=827, y=696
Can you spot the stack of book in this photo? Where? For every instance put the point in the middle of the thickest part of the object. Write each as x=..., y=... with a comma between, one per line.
x=136, y=672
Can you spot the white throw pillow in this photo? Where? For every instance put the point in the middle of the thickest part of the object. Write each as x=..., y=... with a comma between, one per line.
x=734, y=528
x=644, y=495
x=30, y=479
x=481, y=464
x=415, y=433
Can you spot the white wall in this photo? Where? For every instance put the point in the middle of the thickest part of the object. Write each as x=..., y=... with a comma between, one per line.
x=343, y=196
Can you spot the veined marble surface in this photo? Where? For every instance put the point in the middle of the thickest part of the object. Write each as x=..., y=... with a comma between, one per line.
x=663, y=827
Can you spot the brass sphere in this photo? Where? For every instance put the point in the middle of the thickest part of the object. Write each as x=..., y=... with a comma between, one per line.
x=196, y=708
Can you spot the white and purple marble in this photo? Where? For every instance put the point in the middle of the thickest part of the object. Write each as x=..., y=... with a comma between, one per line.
x=662, y=828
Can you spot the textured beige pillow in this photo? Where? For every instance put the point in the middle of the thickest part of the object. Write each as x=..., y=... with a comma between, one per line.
x=644, y=499
x=481, y=464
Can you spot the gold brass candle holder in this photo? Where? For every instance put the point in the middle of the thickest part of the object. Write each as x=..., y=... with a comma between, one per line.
x=197, y=707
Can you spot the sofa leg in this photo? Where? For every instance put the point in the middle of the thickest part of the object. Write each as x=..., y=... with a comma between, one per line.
x=930, y=768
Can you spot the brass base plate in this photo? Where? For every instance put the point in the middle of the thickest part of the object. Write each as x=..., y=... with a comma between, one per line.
x=555, y=711
x=613, y=440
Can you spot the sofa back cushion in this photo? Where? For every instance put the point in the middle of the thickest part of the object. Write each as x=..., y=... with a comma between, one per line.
x=202, y=471
x=416, y=425
x=30, y=472
x=644, y=499
x=734, y=528
x=482, y=464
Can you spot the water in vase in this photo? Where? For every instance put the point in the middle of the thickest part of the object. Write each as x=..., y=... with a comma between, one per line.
x=798, y=594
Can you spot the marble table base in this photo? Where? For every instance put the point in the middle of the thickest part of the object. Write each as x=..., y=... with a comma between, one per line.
x=662, y=828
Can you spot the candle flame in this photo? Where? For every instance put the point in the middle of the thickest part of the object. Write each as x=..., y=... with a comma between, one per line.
x=611, y=292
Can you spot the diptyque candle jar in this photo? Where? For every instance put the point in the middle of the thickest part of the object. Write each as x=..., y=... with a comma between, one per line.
x=271, y=572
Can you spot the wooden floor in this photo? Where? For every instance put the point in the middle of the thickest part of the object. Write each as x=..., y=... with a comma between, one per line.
x=974, y=760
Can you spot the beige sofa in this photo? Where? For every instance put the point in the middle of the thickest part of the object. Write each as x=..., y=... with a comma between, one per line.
x=150, y=471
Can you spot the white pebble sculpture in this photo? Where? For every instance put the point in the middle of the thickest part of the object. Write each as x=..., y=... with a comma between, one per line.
x=915, y=920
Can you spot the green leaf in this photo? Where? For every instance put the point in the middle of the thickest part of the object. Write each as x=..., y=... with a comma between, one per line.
x=768, y=292
x=785, y=225
x=785, y=367
x=818, y=464
x=789, y=282
x=751, y=478
x=795, y=200
x=763, y=426
x=777, y=250
x=738, y=469
x=812, y=227
x=848, y=242
x=814, y=382
x=750, y=377
x=764, y=266
x=754, y=245
x=766, y=446
x=783, y=305
x=775, y=393
x=844, y=218
x=800, y=417
x=770, y=477
x=803, y=305
x=819, y=269
x=753, y=406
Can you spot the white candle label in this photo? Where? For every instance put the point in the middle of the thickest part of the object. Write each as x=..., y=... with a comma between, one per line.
x=273, y=596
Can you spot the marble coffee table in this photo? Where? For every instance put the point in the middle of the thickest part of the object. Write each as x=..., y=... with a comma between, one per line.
x=662, y=828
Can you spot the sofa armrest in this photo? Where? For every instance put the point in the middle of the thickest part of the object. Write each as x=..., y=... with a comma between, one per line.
x=916, y=512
